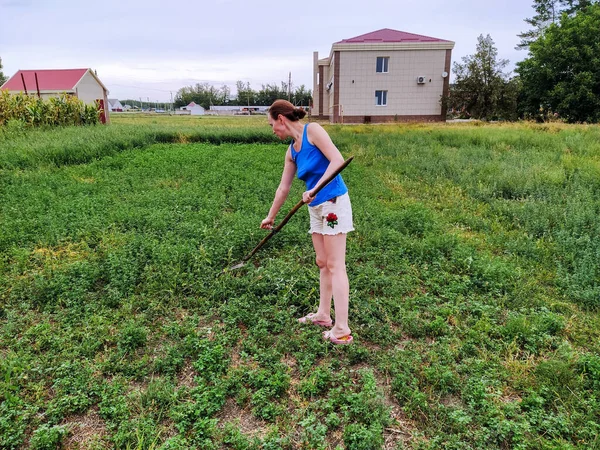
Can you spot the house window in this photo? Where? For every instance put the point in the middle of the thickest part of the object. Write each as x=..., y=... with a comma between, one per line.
x=381, y=98
x=382, y=64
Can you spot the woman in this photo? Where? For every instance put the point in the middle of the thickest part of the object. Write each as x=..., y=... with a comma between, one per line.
x=315, y=157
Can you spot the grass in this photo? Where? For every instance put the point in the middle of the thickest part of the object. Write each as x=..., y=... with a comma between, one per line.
x=57, y=147
x=473, y=272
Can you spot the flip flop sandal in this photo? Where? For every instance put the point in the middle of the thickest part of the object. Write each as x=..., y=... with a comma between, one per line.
x=309, y=318
x=344, y=340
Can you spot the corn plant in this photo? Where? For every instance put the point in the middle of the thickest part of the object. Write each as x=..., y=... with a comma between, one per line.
x=57, y=111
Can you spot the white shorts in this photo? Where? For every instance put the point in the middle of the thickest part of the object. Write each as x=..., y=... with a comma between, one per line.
x=332, y=217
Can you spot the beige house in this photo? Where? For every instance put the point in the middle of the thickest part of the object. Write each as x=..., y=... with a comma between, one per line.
x=82, y=83
x=383, y=76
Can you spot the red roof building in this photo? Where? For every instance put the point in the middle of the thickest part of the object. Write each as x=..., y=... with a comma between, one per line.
x=388, y=35
x=383, y=76
x=82, y=83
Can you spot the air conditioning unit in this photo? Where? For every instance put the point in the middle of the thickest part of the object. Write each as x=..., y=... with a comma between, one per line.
x=421, y=80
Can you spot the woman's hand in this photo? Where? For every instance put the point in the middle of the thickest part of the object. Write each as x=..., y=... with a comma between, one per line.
x=267, y=223
x=308, y=196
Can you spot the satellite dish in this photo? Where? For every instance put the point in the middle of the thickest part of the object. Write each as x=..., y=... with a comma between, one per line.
x=444, y=74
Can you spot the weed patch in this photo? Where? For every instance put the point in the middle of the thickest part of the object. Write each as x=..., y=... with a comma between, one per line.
x=473, y=273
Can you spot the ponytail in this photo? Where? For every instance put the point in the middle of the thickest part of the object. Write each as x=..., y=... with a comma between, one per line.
x=286, y=109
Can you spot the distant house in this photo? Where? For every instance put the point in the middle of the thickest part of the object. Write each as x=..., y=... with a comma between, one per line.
x=82, y=83
x=383, y=76
x=114, y=105
x=195, y=109
x=192, y=108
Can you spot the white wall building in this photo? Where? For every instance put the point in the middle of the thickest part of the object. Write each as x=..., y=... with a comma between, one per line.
x=383, y=76
x=234, y=110
x=115, y=105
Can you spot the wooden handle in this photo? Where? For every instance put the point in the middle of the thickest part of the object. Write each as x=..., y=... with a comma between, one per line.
x=289, y=215
x=325, y=182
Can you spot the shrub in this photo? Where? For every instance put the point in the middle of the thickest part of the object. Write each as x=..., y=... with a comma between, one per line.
x=360, y=437
x=47, y=437
x=131, y=337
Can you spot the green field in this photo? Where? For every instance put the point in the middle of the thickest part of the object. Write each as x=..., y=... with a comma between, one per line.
x=474, y=290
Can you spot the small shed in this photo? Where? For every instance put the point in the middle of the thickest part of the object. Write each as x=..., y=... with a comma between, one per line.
x=195, y=109
x=115, y=105
x=82, y=83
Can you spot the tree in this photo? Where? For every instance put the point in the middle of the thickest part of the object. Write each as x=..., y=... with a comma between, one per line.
x=2, y=77
x=571, y=7
x=224, y=94
x=203, y=94
x=481, y=90
x=302, y=96
x=562, y=73
x=245, y=94
x=549, y=12
x=271, y=92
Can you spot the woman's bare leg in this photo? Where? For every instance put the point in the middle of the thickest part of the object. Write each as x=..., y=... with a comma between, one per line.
x=335, y=251
x=325, y=288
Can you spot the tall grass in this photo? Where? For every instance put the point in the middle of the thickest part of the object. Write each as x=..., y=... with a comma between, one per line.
x=540, y=182
x=66, y=146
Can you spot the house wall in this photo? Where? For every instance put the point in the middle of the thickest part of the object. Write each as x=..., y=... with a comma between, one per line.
x=117, y=106
x=315, y=96
x=89, y=90
x=221, y=112
x=43, y=95
x=327, y=95
x=358, y=82
x=322, y=98
x=46, y=96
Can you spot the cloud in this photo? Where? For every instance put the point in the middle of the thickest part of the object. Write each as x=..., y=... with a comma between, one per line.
x=134, y=80
x=150, y=44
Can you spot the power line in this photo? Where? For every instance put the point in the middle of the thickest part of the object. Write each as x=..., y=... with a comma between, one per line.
x=139, y=87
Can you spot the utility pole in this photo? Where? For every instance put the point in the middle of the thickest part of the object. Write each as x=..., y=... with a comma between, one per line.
x=172, y=108
x=290, y=87
x=141, y=105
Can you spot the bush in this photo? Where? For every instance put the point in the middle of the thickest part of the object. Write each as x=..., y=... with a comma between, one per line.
x=47, y=437
x=360, y=437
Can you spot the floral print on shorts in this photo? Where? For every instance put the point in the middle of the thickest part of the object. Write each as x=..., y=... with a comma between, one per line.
x=332, y=217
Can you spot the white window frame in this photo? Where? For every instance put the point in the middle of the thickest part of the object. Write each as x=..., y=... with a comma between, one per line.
x=385, y=64
x=382, y=97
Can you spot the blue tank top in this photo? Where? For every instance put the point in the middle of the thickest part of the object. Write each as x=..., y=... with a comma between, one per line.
x=312, y=164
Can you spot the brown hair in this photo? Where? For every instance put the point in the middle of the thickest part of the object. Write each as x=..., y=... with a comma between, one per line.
x=286, y=109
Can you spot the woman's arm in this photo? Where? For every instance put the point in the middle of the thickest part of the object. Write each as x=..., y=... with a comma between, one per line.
x=317, y=136
x=289, y=170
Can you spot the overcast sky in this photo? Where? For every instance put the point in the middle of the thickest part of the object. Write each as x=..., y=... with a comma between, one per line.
x=150, y=48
